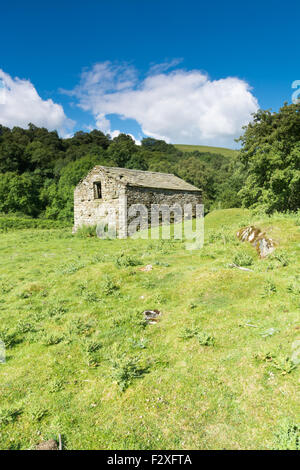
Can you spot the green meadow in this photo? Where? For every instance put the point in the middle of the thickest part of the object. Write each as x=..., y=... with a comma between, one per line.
x=218, y=370
x=205, y=148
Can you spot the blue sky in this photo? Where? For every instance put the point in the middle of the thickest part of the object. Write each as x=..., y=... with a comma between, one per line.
x=221, y=61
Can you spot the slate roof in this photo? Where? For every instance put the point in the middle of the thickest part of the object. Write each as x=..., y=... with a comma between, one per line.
x=147, y=179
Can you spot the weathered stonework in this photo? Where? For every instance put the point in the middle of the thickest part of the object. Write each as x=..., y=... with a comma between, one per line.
x=258, y=239
x=105, y=189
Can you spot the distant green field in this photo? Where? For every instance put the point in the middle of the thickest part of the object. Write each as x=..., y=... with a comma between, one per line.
x=205, y=148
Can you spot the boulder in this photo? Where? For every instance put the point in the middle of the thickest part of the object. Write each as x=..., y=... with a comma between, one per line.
x=258, y=239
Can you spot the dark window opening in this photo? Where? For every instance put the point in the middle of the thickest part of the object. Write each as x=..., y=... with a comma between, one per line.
x=97, y=190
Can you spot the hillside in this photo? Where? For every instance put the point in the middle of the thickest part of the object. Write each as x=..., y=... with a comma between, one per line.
x=205, y=148
x=212, y=373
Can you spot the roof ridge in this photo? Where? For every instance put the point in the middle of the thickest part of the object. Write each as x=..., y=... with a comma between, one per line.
x=142, y=178
x=134, y=170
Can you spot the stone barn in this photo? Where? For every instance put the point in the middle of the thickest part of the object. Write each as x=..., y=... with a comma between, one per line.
x=105, y=189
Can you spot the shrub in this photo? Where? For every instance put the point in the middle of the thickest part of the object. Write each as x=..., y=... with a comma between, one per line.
x=70, y=268
x=38, y=413
x=109, y=286
x=8, y=338
x=5, y=288
x=87, y=231
x=8, y=415
x=242, y=259
x=56, y=311
x=90, y=296
x=50, y=339
x=91, y=345
x=138, y=343
x=188, y=333
x=224, y=237
x=293, y=289
x=56, y=385
x=284, y=364
x=287, y=437
x=123, y=261
x=91, y=349
x=125, y=370
x=205, y=339
x=79, y=327
x=12, y=222
x=281, y=257
x=269, y=289
x=24, y=326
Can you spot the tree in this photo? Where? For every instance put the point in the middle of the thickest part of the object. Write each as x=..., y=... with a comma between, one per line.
x=20, y=193
x=270, y=156
x=57, y=197
x=154, y=145
x=138, y=161
x=122, y=149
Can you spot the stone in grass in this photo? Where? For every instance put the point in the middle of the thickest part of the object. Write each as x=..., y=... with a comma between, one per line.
x=47, y=445
x=147, y=268
x=152, y=316
x=264, y=245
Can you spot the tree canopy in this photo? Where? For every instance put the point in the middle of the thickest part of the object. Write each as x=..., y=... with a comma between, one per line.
x=39, y=170
x=270, y=156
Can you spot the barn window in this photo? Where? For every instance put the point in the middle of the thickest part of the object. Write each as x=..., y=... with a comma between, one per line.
x=97, y=190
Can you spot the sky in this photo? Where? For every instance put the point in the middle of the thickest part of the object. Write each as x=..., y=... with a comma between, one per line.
x=185, y=71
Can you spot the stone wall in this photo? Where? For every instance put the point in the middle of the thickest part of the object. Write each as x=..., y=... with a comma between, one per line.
x=87, y=209
x=90, y=211
x=168, y=197
x=150, y=196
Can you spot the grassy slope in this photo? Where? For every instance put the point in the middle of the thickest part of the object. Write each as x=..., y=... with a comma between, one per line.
x=54, y=285
x=205, y=148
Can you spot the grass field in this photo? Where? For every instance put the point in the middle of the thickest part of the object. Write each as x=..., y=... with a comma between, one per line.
x=204, y=148
x=217, y=371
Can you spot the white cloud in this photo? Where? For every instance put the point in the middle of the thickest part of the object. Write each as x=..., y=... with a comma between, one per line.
x=179, y=106
x=164, y=66
x=104, y=125
x=20, y=104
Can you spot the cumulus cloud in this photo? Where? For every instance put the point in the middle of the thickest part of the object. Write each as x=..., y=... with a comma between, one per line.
x=179, y=106
x=20, y=104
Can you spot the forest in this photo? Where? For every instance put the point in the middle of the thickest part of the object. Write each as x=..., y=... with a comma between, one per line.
x=39, y=169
